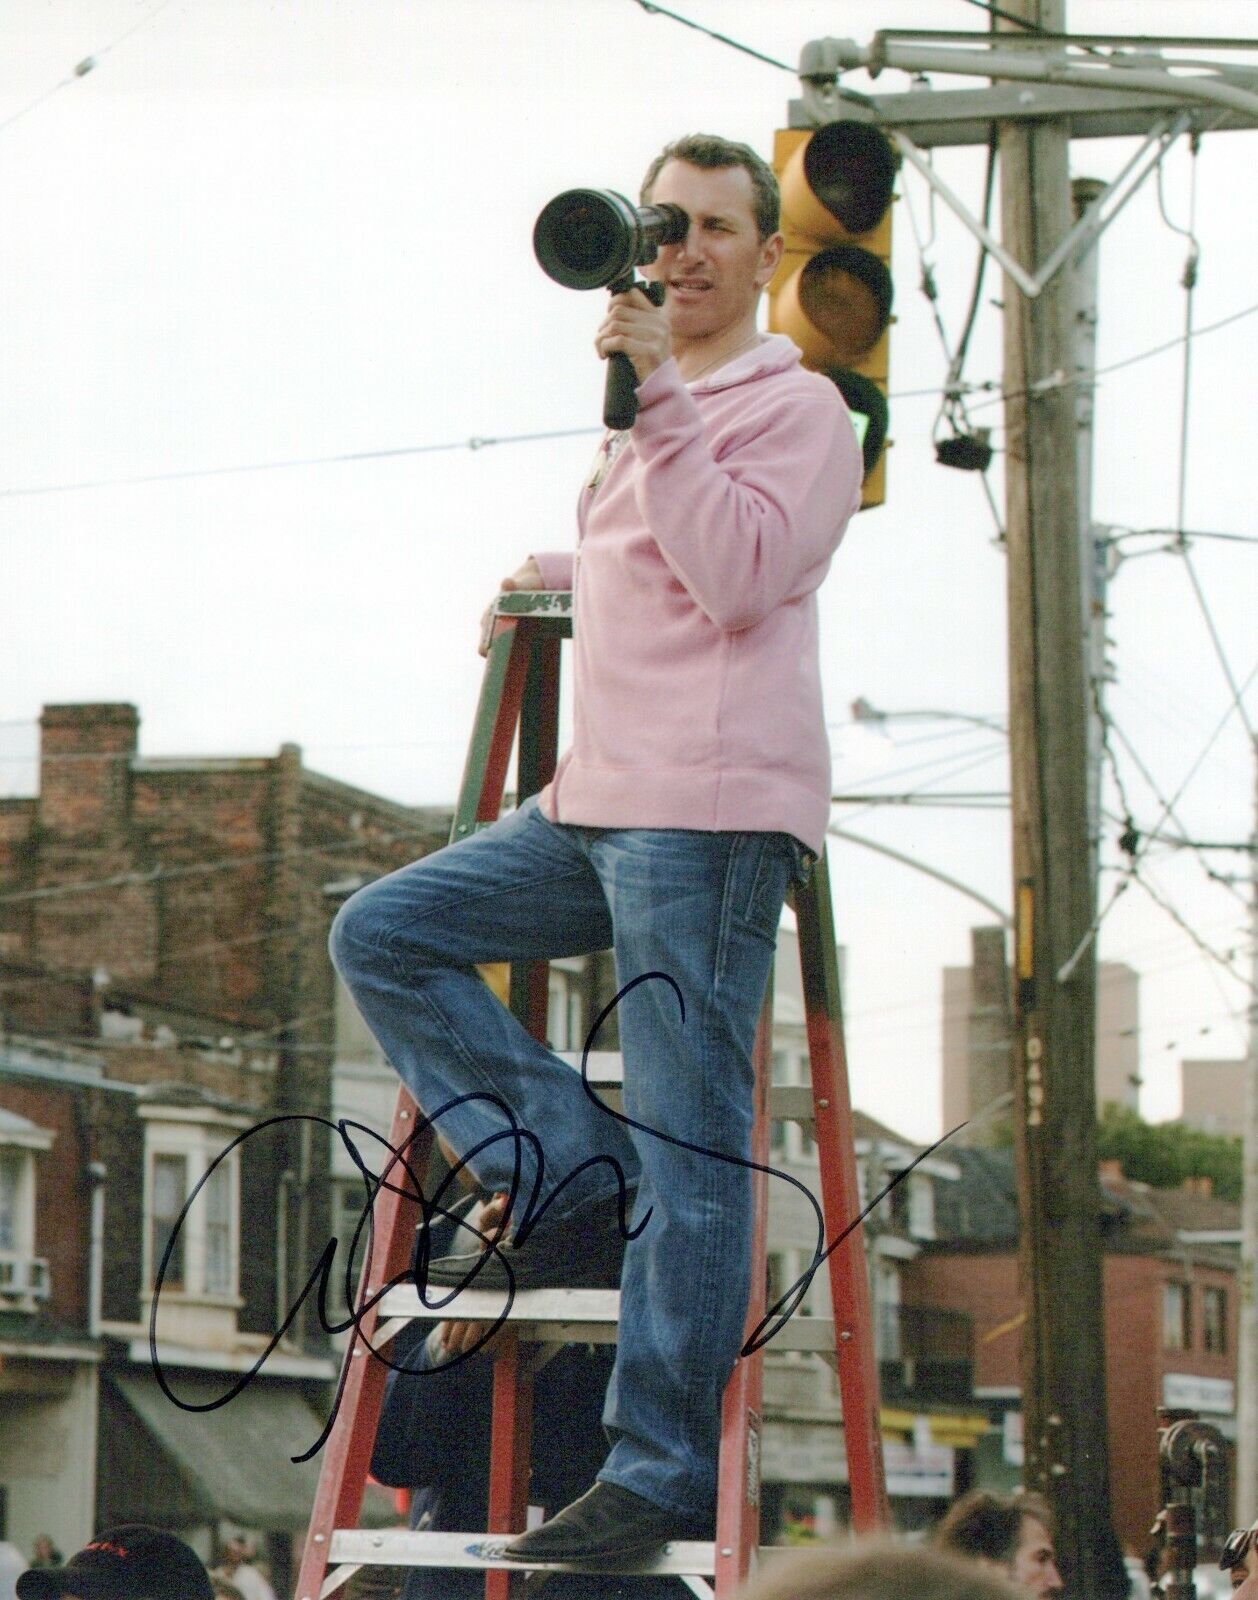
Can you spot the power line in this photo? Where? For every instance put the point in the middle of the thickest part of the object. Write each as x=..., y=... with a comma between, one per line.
x=711, y=33
x=1120, y=888
x=952, y=403
x=745, y=49
x=342, y=458
x=948, y=761
x=1217, y=642
x=1109, y=725
x=1220, y=960
x=979, y=760
x=123, y=880
x=1179, y=533
x=1062, y=380
x=1006, y=16
x=990, y=387
x=83, y=67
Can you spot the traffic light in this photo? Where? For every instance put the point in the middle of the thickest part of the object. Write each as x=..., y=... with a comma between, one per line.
x=832, y=292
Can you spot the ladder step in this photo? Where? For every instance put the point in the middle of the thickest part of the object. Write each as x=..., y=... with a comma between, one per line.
x=398, y=1547
x=568, y=1316
x=553, y=1316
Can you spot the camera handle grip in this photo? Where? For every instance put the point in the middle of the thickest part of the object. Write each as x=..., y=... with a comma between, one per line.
x=620, y=399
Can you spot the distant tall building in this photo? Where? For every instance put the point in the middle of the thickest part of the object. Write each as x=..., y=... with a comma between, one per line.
x=1213, y=1095
x=978, y=1029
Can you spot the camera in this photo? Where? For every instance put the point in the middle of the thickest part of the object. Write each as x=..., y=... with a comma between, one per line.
x=593, y=239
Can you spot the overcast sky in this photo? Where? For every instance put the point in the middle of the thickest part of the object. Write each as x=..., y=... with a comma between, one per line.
x=261, y=233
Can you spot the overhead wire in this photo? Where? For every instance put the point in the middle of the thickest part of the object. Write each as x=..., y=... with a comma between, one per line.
x=1216, y=957
x=1065, y=380
x=1187, y=533
x=979, y=760
x=652, y=9
x=995, y=395
x=952, y=401
x=1109, y=725
x=948, y=761
x=1189, y=283
x=1120, y=888
x=81, y=69
x=230, y=863
x=1216, y=641
x=338, y=459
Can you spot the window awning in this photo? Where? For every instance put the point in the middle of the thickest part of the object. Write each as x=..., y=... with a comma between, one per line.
x=176, y=1468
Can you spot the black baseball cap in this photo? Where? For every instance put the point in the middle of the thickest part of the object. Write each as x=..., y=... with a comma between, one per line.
x=129, y=1563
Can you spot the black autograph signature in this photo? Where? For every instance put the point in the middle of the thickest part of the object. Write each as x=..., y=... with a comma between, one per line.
x=398, y=1177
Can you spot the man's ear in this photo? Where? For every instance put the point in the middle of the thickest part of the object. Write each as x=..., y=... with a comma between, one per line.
x=770, y=255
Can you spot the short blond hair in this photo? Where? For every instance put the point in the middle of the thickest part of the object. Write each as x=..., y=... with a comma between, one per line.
x=876, y=1569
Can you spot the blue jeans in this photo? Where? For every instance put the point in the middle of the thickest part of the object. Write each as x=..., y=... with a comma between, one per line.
x=702, y=908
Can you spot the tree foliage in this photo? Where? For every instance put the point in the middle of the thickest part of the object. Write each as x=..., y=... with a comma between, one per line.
x=1163, y=1154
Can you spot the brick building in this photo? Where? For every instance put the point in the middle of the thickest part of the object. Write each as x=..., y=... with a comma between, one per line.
x=164, y=988
x=1171, y=1301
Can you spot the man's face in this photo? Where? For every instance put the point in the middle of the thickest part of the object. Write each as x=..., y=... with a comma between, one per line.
x=1034, y=1564
x=713, y=278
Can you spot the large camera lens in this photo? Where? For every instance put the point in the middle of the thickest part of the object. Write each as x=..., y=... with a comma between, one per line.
x=587, y=238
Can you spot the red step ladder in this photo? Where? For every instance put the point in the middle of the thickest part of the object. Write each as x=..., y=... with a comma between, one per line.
x=520, y=693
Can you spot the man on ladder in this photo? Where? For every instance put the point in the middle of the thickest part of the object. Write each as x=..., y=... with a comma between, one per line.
x=697, y=784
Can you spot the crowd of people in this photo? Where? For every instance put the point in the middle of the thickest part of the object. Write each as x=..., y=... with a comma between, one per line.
x=988, y=1547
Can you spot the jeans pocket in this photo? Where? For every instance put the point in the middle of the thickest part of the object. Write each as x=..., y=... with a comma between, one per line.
x=776, y=862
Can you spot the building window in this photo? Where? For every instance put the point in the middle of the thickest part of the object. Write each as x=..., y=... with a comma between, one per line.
x=1177, y=1316
x=23, y=1275
x=1214, y=1321
x=217, y=1196
x=170, y=1191
x=921, y=1206
x=185, y=1162
x=10, y=1199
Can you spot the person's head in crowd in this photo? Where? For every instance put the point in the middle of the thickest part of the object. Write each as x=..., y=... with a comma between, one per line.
x=875, y=1569
x=1012, y=1532
x=235, y=1552
x=128, y=1563
x=1240, y=1561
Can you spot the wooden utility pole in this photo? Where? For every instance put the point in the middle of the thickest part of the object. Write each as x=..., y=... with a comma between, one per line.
x=1064, y=1418
x=1040, y=97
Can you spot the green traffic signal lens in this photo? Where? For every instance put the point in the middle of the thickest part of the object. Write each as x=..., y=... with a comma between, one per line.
x=865, y=400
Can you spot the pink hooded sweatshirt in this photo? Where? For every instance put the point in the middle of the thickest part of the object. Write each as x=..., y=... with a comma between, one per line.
x=699, y=553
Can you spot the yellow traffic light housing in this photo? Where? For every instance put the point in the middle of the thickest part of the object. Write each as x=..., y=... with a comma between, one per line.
x=832, y=293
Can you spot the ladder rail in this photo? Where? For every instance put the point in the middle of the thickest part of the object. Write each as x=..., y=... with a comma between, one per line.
x=520, y=694
x=348, y=1449
x=841, y=1206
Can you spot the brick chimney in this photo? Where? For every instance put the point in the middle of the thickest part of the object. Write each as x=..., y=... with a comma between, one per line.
x=85, y=751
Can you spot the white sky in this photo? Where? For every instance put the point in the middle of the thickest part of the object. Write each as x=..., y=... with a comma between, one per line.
x=260, y=232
